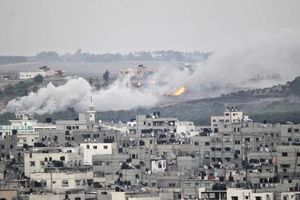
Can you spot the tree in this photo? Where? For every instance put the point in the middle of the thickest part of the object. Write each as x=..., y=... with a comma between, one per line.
x=35, y=88
x=106, y=76
x=38, y=79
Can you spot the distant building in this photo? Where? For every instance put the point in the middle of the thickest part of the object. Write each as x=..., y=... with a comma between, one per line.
x=9, y=75
x=231, y=115
x=30, y=75
x=85, y=121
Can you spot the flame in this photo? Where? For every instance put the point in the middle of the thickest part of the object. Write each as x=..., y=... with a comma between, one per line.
x=179, y=91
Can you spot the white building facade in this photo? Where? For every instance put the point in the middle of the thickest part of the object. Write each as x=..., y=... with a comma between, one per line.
x=90, y=149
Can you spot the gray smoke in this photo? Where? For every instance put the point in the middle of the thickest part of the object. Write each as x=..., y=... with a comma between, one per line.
x=256, y=63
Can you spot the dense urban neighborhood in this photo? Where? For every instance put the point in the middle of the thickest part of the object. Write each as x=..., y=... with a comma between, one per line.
x=149, y=100
x=150, y=157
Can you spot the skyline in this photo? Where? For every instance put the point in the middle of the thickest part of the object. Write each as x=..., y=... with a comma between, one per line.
x=33, y=26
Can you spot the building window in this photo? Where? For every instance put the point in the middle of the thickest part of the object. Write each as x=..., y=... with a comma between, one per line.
x=94, y=147
x=284, y=154
x=62, y=158
x=285, y=165
x=88, y=146
x=77, y=182
x=105, y=147
x=32, y=163
x=65, y=183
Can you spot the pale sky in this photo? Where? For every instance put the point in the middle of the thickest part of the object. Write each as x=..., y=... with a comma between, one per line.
x=100, y=26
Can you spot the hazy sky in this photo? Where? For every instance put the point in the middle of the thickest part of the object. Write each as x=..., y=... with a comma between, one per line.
x=31, y=26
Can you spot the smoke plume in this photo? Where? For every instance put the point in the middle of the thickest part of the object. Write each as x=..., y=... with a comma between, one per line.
x=259, y=62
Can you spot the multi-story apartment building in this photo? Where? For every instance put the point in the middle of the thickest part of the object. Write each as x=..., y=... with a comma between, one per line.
x=38, y=159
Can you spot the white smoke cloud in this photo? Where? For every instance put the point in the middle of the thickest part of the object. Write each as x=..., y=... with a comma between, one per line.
x=77, y=93
x=259, y=62
x=272, y=58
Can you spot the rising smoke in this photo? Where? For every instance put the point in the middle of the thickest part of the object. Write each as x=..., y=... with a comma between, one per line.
x=259, y=62
x=77, y=93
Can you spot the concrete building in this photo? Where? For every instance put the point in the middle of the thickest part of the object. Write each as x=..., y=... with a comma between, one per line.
x=231, y=115
x=243, y=194
x=30, y=75
x=290, y=195
x=106, y=167
x=65, y=179
x=205, y=194
x=8, y=76
x=152, y=125
x=26, y=128
x=85, y=121
x=90, y=149
x=37, y=159
x=185, y=127
x=61, y=195
x=288, y=161
x=134, y=196
x=158, y=165
x=9, y=194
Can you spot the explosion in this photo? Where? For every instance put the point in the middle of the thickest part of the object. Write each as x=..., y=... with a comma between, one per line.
x=179, y=91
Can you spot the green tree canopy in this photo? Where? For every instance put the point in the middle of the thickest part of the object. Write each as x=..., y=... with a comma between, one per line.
x=38, y=79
